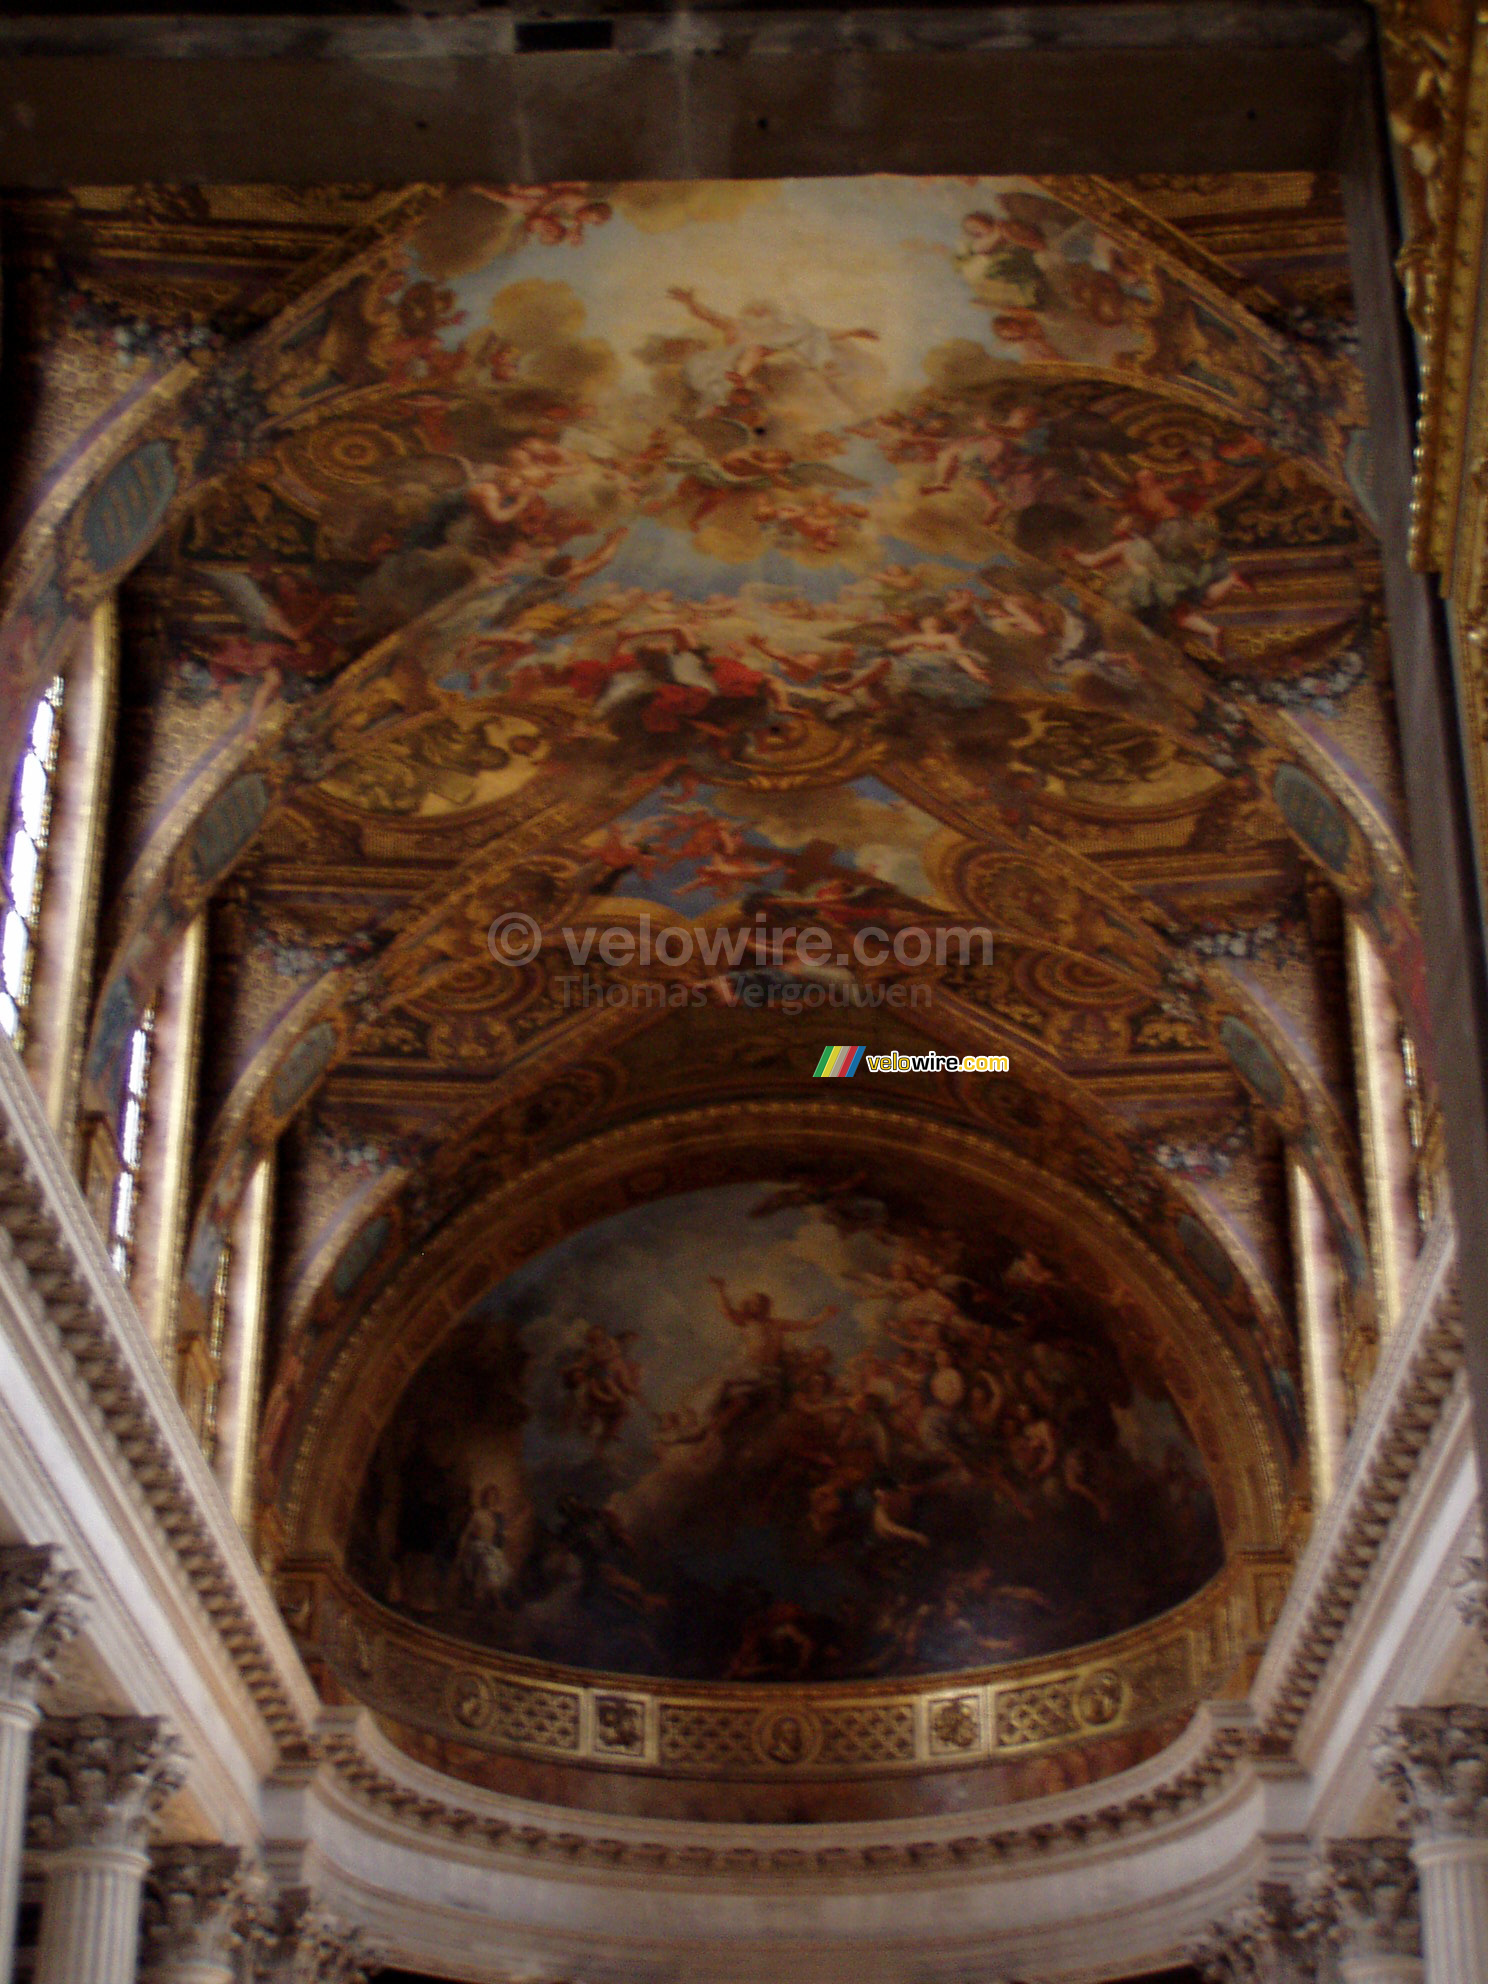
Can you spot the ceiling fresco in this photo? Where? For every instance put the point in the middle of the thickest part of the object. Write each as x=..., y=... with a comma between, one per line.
x=884, y=556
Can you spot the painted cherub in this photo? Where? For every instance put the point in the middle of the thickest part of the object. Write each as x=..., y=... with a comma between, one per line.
x=603, y=1381
x=933, y=640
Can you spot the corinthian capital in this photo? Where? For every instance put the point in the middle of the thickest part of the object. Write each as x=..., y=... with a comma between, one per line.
x=1470, y=1590
x=1437, y=1760
x=309, y=1945
x=198, y=1907
x=1368, y=1894
x=1272, y=1939
x=39, y=1613
x=99, y=1780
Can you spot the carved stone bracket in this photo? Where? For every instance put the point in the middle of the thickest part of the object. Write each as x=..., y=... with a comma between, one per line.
x=99, y=1780
x=39, y=1613
x=1368, y=1896
x=1437, y=1760
x=306, y=1944
x=200, y=1905
x=1272, y=1939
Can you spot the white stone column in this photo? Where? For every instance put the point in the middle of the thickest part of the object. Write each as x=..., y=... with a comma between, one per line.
x=1271, y=1939
x=1437, y=1759
x=90, y=1919
x=199, y=1906
x=97, y=1782
x=38, y=1614
x=1368, y=1896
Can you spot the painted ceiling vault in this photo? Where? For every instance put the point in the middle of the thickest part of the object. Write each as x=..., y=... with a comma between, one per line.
x=888, y=554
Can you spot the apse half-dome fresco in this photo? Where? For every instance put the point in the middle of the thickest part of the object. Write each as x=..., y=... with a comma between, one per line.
x=770, y=1432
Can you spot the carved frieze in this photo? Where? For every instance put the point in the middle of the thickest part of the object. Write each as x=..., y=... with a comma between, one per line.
x=480, y=1699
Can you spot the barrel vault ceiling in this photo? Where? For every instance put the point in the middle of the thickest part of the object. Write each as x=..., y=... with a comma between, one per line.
x=884, y=553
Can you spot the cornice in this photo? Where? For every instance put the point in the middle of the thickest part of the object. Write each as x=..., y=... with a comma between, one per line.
x=1419, y=1365
x=383, y=1785
x=101, y=1352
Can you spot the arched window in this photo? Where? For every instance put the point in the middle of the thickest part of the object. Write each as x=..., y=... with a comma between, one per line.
x=25, y=858
x=131, y=1145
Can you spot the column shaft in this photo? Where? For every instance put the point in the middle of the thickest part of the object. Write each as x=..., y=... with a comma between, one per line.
x=1381, y=1970
x=1454, y=1909
x=90, y=1916
x=17, y=1720
x=192, y=1970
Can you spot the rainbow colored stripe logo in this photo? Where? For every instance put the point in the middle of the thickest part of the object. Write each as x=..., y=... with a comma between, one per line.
x=840, y=1060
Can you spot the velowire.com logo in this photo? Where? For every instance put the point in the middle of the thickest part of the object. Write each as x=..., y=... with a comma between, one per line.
x=838, y=1061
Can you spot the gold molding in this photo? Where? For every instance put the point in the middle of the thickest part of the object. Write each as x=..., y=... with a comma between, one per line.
x=1436, y=78
x=1436, y=73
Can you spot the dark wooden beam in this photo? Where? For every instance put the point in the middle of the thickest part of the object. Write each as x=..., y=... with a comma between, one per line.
x=1433, y=746
x=1182, y=86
